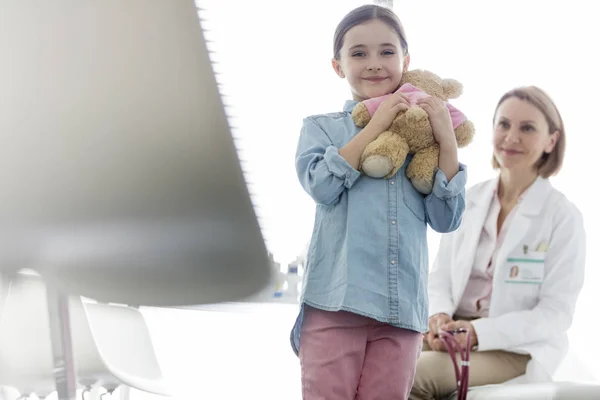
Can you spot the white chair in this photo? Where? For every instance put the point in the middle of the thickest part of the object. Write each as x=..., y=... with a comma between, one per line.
x=111, y=344
x=8, y=393
x=123, y=342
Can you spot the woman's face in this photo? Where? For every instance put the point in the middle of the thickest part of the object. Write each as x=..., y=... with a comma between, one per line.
x=521, y=135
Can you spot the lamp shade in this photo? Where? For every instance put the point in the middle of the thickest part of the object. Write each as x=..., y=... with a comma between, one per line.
x=119, y=177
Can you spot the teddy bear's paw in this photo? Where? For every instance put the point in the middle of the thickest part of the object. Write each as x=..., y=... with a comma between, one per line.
x=360, y=115
x=377, y=166
x=423, y=186
x=416, y=116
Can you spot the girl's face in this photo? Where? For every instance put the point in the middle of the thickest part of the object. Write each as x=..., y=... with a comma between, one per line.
x=521, y=135
x=371, y=59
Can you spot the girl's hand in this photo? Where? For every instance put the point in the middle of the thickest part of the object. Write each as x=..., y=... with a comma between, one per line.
x=387, y=112
x=439, y=118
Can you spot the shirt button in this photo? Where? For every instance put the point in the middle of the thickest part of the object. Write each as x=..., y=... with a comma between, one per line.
x=392, y=182
x=393, y=222
x=393, y=262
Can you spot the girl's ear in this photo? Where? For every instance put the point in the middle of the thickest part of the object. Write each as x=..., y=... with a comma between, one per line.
x=337, y=67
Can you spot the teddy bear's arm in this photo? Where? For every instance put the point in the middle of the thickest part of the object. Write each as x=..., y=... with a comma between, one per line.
x=322, y=172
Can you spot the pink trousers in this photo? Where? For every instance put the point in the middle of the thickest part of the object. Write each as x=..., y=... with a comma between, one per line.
x=345, y=356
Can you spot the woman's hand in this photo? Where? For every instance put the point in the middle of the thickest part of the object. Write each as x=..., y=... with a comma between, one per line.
x=462, y=337
x=439, y=118
x=435, y=323
x=387, y=112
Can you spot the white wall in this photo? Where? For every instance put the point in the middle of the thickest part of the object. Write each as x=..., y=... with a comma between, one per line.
x=275, y=67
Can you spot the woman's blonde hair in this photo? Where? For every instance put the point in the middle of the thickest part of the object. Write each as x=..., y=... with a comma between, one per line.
x=550, y=163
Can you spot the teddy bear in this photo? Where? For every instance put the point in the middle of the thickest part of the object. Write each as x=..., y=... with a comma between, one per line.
x=411, y=132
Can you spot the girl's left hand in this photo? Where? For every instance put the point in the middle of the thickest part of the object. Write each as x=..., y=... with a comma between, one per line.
x=439, y=118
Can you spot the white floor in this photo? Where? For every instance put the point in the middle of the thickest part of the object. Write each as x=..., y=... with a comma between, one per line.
x=243, y=352
x=225, y=355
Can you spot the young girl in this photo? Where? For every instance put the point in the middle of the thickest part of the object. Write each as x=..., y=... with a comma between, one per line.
x=364, y=302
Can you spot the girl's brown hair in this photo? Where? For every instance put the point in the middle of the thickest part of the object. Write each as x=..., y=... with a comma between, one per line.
x=364, y=14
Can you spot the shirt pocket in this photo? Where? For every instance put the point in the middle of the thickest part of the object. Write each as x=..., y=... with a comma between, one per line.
x=413, y=199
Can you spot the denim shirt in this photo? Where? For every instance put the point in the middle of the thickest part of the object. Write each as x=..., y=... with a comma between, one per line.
x=368, y=252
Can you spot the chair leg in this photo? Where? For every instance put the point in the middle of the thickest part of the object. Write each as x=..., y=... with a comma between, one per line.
x=8, y=393
x=124, y=392
x=5, y=394
x=98, y=393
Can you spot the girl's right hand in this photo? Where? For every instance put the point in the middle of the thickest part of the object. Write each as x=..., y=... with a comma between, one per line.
x=387, y=111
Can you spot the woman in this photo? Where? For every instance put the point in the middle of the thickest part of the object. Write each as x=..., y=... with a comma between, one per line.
x=512, y=272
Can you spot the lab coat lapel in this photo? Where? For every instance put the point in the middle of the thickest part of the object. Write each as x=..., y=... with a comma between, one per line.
x=478, y=205
x=531, y=205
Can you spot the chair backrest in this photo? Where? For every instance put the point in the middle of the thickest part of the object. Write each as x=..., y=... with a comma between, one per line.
x=124, y=343
x=26, y=361
x=120, y=178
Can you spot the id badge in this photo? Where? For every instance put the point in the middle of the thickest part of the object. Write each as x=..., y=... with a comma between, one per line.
x=526, y=269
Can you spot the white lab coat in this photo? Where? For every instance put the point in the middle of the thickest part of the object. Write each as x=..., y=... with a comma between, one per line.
x=526, y=318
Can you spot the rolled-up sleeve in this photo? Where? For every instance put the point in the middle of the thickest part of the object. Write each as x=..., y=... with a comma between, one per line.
x=445, y=205
x=322, y=172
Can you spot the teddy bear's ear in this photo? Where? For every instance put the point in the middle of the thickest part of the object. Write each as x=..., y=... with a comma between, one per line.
x=452, y=88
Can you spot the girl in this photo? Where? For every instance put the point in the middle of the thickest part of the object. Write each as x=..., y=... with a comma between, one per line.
x=364, y=302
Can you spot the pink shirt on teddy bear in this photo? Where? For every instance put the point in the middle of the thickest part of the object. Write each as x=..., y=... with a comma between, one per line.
x=413, y=94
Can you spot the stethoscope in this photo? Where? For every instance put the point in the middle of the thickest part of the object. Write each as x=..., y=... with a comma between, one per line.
x=461, y=371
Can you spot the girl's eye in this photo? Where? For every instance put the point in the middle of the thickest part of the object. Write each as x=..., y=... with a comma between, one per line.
x=388, y=53
x=503, y=124
x=358, y=54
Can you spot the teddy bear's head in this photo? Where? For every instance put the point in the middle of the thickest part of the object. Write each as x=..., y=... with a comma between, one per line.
x=432, y=84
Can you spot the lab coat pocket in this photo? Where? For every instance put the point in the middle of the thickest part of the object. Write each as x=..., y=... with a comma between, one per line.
x=523, y=278
x=536, y=255
x=524, y=296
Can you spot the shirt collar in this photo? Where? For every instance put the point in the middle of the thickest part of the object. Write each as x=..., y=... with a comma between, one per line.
x=349, y=105
x=521, y=197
